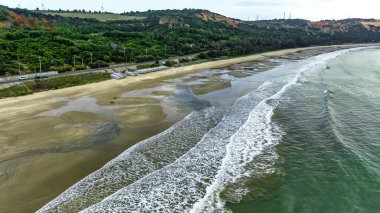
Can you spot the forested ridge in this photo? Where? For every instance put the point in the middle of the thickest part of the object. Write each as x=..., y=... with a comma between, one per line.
x=67, y=43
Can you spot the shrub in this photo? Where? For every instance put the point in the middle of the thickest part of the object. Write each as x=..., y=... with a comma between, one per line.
x=144, y=58
x=169, y=63
x=98, y=64
x=184, y=60
x=64, y=68
x=80, y=67
x=203, y=56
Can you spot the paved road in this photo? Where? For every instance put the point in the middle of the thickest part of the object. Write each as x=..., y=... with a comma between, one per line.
x=14, y=79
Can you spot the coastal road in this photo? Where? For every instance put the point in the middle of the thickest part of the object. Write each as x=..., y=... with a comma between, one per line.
x=14, y=79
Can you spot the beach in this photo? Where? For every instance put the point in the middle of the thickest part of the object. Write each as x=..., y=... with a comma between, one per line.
x=51, y=140
x=171, y=73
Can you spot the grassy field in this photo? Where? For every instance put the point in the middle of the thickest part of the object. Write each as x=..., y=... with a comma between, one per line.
x=100, y=17
x=14, y=91
x=31, y=87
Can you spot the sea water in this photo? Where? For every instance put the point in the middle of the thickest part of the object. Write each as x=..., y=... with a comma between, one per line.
x=329, y=157
x=305, y=139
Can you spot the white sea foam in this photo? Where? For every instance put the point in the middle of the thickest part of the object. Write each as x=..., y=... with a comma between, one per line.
x=256, y=137
x=138, y=161
x=178, y=186
x=252, y=139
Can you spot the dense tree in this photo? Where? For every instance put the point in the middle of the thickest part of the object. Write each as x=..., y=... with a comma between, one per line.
x=156, y=35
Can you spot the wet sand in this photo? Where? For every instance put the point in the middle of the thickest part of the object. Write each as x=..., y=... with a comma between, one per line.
x=51, y=140
x=141, y=115
x=209, y=87
x=48, y=146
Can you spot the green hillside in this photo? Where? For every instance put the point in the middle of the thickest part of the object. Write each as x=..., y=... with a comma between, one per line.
x=25, y=36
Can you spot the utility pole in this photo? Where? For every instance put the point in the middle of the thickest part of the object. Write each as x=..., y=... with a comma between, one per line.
x=19, y=64
x=102, y=8
x=290, y=15
x=82, y=62
x=146, y=51
x=39, y=57
x=284, y=15
x=131, y=56
x=91, y=56
x=257, y=17
x=125, y=55
x=43, y=5
x=166, y=46
x=74, y=61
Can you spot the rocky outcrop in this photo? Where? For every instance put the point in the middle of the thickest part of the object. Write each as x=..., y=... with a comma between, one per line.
x=208, y=16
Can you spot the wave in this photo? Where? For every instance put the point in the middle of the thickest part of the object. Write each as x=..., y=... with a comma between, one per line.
x=252, y=139
x=250, y=152
x=190, y=165
x=137, y=162
x=336, y=126
x=178, y=186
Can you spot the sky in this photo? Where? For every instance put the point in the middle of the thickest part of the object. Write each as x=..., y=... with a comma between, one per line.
x=241, y=9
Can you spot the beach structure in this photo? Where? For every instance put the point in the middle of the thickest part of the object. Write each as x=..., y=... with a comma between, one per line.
x=117, y=76
x=153, y=69
x=131, y=74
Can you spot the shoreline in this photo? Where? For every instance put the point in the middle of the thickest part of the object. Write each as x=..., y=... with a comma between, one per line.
x=82, y=128
x=172, y=72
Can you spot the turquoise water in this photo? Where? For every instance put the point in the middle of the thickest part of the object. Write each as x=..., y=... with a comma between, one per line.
x=330, y=157
x=303, y=137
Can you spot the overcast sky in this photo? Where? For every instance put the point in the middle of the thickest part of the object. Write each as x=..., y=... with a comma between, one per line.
x=242, y=9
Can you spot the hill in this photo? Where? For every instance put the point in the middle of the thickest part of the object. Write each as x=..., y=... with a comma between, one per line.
x=90, y=15
x=16, y=18
x=186, y=16
x=347, y=25
x=82, y=39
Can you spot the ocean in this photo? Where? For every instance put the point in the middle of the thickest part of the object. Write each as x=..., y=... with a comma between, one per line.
x=301, y=137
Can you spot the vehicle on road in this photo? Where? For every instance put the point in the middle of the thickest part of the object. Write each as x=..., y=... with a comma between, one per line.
x=40, y=77
x=23, y=77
